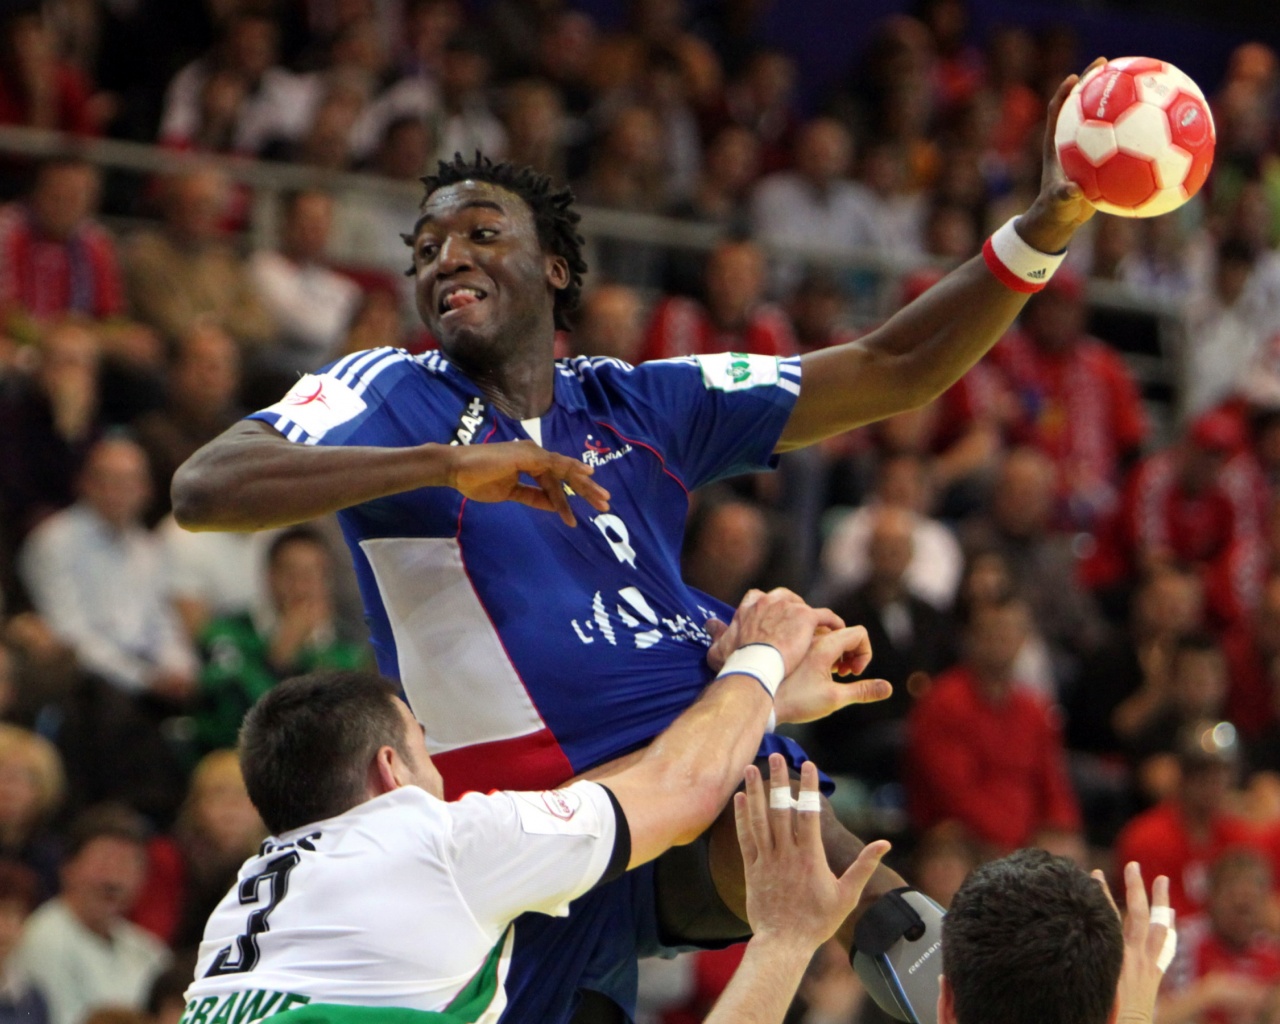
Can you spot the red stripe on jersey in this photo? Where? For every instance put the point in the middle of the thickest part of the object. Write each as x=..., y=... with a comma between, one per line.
x=534, y=761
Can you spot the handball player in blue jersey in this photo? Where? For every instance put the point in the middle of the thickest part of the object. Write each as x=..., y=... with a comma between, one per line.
x=532, y=646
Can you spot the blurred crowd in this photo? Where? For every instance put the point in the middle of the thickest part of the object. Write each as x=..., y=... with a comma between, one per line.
x=1077, y=598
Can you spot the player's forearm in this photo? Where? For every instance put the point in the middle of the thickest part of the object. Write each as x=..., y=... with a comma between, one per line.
x=251, y=478
x=906, y=363
x=764, y=984
x=680, y=785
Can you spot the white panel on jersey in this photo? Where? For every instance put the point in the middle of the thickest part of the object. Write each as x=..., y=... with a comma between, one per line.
x=454, y=670
x=735, y=371
x=317, y=403
x=533, y=427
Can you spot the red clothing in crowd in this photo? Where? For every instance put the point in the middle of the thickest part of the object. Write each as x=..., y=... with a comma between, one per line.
x=1159, y=840
x=72, y=91
x=1202, y=953
x=1211, y=530
x=683, y=327
x=999, y=769
x=48, y=278
x=1082, y=409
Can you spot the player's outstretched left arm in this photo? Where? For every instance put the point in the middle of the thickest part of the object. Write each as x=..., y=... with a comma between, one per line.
x=929, y=345
x=794, y=901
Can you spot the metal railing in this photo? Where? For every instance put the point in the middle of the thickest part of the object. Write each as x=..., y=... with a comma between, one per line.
x=1156, y=367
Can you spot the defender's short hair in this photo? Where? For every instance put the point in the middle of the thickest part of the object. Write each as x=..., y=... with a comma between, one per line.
x=1031, y=937
x=306, y=747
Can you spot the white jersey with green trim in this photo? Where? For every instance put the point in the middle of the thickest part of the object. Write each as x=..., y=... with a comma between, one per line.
x=403, y=901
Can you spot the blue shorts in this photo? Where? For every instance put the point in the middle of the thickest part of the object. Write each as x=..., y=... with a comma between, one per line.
x=596, y=947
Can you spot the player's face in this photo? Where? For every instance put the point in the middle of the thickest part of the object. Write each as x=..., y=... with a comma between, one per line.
x=422, y=772
x=484, y=286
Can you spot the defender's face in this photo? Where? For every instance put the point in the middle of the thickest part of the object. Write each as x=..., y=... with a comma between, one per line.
x=482, y=277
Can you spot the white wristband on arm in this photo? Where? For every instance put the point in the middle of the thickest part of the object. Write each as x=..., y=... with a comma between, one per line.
x=1016, y=264
x=762, y=662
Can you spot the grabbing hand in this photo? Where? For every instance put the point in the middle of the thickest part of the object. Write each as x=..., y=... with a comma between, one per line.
x=1061, y=206
x=491, y=473
x=793, y=898
x=779, y=618
x=1144, y=939
x=810, y=692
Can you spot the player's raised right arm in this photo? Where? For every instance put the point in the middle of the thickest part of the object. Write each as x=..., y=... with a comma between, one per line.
x=252, y=478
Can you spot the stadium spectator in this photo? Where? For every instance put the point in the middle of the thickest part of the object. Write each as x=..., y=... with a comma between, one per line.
x=1179, y=506
x=201, y=395
x=816, y=206
x=276, y=103
x=466, y=118
x=734, y=318
x=655, y=24
x=913, y=641
x=534, y=118
x=37, y=88
x=626, y=173
x=245, y=656
x=310, y=303
x=367, y=226
x=78, y=947
x=191, y=870
x=95, y=574
x=1186, y=832
x=48, y=422
x=989, y=577
x=1125, y=681
x=1077, y=401
x=55, y=258
x=983, y=752
x=1196, y=690
x=1042, y=561
x=936, y=563
x=610, y=323
x=818, y=311
x=761, y=99
x=725, y=547
x=32, y=789
x=21, y=1001
x=1228, y=963
x=897, y=209
x=186, y=273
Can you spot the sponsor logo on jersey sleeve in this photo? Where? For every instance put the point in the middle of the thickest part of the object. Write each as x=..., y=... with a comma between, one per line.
x=554, y=812
x=737, y=371
x=318, y=403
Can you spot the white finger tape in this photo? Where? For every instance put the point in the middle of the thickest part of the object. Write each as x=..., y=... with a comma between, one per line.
x=808, y=801
x=780, y=798
x=1165, y=916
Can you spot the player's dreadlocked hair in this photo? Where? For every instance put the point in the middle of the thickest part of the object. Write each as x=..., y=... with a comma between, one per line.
x=554, y=217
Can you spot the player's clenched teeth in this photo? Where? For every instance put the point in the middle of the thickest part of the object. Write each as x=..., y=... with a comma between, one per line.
x=458, y=297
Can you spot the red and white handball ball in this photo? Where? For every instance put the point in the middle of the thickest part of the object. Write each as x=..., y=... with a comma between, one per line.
x=1137, y=135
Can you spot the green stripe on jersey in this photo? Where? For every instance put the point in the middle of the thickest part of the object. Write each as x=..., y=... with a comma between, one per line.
x=475, y=997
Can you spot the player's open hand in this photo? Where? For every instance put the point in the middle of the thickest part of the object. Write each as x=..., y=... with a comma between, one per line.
x=1061, y=206
x=1148, y=930
x=793, y=898
x=811, y=692
x=492, y=472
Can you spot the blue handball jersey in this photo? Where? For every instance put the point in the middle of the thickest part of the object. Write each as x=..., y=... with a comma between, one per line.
x=530, y=650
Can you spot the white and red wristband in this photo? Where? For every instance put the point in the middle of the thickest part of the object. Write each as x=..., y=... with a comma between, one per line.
x=1016, y=264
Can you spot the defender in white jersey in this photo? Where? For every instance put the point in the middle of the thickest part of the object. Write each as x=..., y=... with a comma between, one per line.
x=377, y=901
